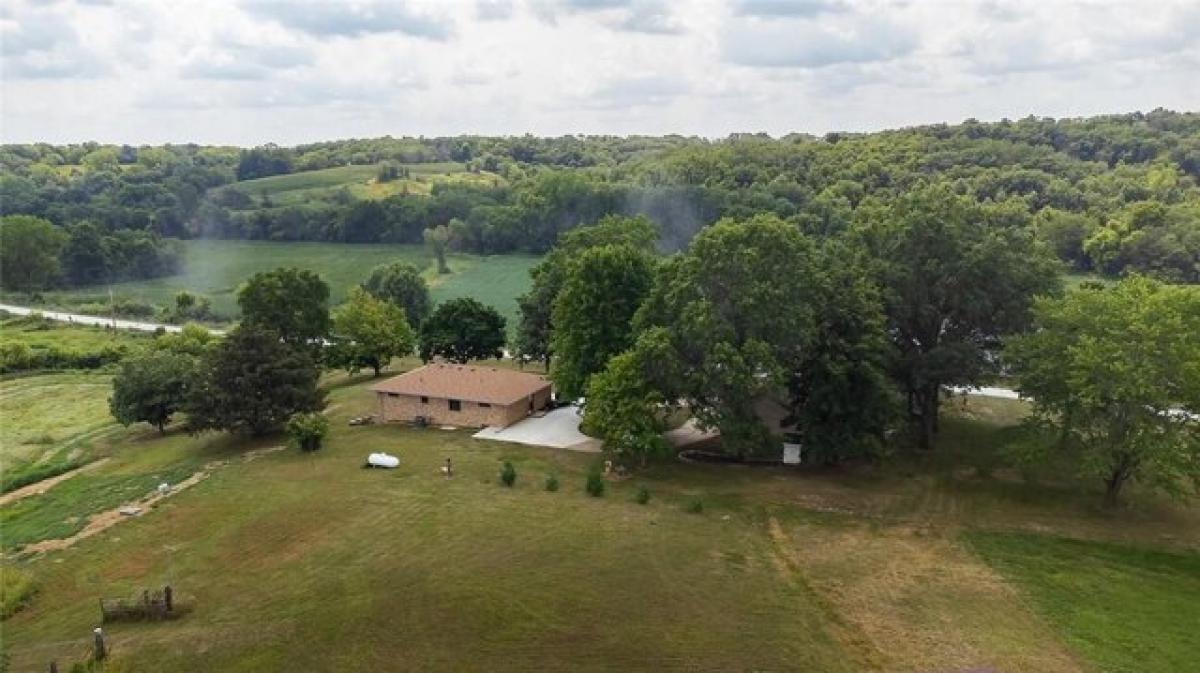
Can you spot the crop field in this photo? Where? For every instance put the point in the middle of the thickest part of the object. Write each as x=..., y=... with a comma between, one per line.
x=217, y=268
x=290, y=561
x=360, y=180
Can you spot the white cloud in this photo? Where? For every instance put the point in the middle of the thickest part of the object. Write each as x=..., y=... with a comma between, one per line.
x=352, y=19
x=252, y=71
x=809, y=43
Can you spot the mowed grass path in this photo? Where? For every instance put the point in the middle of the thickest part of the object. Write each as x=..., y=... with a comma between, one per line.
x=309, y=562
x=218, y=268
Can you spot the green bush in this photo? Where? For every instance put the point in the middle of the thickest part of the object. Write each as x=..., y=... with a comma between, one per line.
x=643, y=496
x=695, y=506
x=19, y=357
x=595, y=483
x=306, y=431
x=551, y=482
x=508, y=474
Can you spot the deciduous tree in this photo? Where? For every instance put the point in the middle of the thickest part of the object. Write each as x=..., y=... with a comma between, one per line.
x=151, y=386
x=535, y=326
x=737, y=312
x=369, y=332
x=603, y=289
x=29, y=249
x=401, y=284
x=292, y=302
x=437, y=239
x=955, y=280
x=1115, y=373
x=252, y=382
x=461, y=330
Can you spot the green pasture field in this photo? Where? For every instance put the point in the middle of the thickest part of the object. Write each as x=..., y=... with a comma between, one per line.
x=308, y=186
x=217, y=268
x=295, y=561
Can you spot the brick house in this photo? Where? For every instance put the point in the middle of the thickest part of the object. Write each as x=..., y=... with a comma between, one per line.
x=462, y=395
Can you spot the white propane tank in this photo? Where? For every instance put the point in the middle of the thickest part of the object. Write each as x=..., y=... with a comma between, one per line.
x=383, y=460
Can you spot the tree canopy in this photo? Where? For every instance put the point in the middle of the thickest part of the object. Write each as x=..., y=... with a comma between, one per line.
x=604, y=288
x=535, y=325
x=29, y=250
x=252, y=382
x=151, y=387
x=1115, y=375
x=402, y=285
x=956, y=276
x=736, y=311
x=462, y=330
x=369, y=332
x=292, y=302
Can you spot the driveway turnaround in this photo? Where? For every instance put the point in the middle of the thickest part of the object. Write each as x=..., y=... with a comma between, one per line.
x=558, y=429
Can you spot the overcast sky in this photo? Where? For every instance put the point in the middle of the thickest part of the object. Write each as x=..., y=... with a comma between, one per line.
x=288, y=71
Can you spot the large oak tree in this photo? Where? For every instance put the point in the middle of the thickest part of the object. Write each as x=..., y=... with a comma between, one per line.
x=956, y=277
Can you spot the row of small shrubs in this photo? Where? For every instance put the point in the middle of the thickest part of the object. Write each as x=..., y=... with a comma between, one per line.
x=594, y=486
x=124, y=308
x=19, y=357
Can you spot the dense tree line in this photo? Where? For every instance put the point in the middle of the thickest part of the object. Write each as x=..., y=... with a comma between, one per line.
x=1109, y=194
x=36, y=255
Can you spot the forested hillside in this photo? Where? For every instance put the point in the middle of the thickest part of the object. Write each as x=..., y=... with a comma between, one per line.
x=1109, y=194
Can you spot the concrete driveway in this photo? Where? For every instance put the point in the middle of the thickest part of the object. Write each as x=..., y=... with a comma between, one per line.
x=558, y=429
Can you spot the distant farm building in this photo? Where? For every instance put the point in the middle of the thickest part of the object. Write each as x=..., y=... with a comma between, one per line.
x=462, y=395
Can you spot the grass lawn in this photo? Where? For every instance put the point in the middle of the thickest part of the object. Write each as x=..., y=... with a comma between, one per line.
x=1125, y=609
x=309, y=562
x=50, y=424
x=217, y=268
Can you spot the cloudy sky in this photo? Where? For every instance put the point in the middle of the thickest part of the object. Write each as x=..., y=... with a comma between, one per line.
x=290, y=71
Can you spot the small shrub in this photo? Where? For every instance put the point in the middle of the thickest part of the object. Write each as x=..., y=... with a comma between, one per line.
x=695, y=506
x=306, y=431
x=551, y=483
x=643, y=496
x=595, y=483
x=508, y=474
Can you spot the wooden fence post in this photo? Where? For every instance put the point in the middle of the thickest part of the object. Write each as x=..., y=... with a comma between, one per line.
x=100, y=651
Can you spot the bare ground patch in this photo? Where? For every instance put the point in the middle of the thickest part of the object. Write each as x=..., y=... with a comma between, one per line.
x=44, y=485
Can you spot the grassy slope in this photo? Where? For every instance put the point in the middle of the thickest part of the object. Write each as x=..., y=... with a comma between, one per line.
x=49, y=424
x=1126, y=609
x=311, y=562
x=308, y=561
x=217, y=268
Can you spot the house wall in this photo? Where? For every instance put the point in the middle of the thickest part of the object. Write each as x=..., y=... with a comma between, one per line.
x=394, y=407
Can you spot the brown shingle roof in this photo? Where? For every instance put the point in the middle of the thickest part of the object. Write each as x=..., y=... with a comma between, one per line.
x=464, y=382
